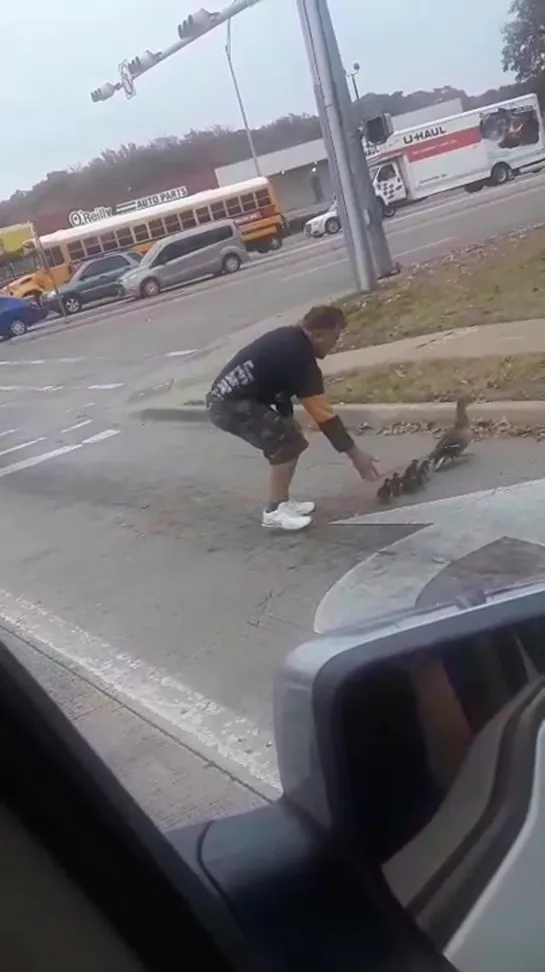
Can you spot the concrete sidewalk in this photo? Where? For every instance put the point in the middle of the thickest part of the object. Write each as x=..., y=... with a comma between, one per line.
x=178, y=396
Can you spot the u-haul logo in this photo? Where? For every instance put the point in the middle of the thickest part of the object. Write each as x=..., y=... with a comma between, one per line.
x=434, y=132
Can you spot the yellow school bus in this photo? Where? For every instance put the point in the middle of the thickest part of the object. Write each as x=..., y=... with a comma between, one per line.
x=252, y=205
x=23, y=272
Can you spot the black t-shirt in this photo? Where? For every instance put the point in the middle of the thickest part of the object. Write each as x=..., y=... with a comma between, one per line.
x=273, y=369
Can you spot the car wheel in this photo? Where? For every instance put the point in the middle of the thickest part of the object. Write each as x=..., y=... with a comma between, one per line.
x=275, y=243
x=231, y=263
x=17, y=328
x=333, y=225
x=501, y=173
x=150, y=287
x=72, y=304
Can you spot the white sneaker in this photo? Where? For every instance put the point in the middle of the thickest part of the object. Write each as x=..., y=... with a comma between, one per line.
x=284, y=518
x=301, y=507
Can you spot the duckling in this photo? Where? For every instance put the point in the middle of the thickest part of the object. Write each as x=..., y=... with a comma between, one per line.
x=423, y=471
x=396, y=485
x=455, y=440
x=409, y=480
x=384, y=492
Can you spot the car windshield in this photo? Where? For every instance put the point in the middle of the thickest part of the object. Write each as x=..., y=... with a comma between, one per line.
x=205, y=464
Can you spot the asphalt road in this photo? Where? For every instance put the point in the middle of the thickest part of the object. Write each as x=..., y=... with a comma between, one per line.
x=135, y=553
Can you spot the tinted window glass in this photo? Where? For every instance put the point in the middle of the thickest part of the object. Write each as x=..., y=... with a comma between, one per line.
x=104, y=266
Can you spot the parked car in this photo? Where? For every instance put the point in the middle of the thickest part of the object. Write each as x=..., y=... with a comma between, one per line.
x=329, y=223
x=96, y=279
x=200, y=252
x=17, y=315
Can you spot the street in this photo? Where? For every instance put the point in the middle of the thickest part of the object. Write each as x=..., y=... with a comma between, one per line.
x=135, y=553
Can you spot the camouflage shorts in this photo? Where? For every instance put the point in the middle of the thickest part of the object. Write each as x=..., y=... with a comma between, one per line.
x=280, y=439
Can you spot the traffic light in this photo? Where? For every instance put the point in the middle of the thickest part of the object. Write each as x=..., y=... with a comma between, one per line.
x=103, y=93
x=377, y=130
x=196, y=23
x=137, y=65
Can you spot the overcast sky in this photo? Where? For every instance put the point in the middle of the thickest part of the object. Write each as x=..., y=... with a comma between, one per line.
x=55, y=51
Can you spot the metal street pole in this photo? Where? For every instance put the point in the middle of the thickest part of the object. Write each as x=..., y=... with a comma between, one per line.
x=353, y=75
x=247, y=128
x=363, y=187
x=352, y=217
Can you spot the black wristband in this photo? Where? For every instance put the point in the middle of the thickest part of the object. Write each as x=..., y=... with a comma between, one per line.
x=340, y=438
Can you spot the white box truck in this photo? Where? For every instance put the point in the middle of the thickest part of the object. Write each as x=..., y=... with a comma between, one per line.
x=483, y=147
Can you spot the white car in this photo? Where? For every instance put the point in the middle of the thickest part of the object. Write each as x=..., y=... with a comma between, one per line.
x=329, y=223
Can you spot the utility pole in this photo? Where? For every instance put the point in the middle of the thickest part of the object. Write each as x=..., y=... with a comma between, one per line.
x=356, y=67
x=247, y=128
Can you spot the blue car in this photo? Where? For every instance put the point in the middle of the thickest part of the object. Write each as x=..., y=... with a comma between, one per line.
x=17, y=315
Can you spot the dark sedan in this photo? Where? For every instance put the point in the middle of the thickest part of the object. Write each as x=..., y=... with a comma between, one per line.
x=17, y=315
x=96, y=279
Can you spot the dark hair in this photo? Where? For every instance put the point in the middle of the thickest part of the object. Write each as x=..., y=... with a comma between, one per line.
x=323, y=318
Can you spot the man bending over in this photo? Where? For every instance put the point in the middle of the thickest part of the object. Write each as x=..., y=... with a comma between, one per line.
x=252, y=399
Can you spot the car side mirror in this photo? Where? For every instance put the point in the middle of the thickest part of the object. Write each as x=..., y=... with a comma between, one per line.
x=415, y=740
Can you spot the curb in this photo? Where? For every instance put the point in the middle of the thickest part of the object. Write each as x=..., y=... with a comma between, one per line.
x=380, y=415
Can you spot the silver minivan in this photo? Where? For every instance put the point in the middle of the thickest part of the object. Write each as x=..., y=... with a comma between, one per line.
x=204, y=251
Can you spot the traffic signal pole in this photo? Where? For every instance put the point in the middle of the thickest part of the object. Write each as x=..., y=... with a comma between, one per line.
x=366, y=241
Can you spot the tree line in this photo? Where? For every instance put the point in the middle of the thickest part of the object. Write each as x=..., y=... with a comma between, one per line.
x=134, y=170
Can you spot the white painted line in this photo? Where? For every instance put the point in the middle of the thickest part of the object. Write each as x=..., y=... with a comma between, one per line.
x=37, y=460
x=20, y=364
x=23, y=445
x=115, y=384
x=456, y=527
x=101, y=436
x=8, y=432
x=179, y=354
x=344, y=259
x=216, y=729
x=78, y=425
x=427, y=246
x=54, y=453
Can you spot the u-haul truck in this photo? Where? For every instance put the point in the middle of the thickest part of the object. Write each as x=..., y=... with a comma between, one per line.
x=483, y=147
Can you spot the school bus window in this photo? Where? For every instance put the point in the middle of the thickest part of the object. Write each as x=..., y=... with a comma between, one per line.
x=263, y=197
x=188, y=220
x=248, y=202
x=203, y=215
x=157, y=229
x=76, y=251
x=218, y=210
x=108, y=241
x=54, y=256
x=92, y=246
x=124, y=237
x=172, y=223
x=233, y=207
x=141, y=233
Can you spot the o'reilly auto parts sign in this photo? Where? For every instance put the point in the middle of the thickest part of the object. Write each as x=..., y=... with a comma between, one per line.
x=83, y=217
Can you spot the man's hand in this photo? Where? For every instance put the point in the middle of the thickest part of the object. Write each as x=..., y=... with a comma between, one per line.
x=364, y=464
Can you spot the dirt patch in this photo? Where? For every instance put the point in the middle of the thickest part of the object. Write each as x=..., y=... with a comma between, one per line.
x=516, y=378
x=501, y=280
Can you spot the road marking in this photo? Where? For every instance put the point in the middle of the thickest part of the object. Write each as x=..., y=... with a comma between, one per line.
x=179, y=354
x=392, y=578
x=213, y=729
x=101, y=436
x=8, y=432
x=40, y=361
x=23, y=445
x=110, y=387
x=78, y=425
x=53, y=453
